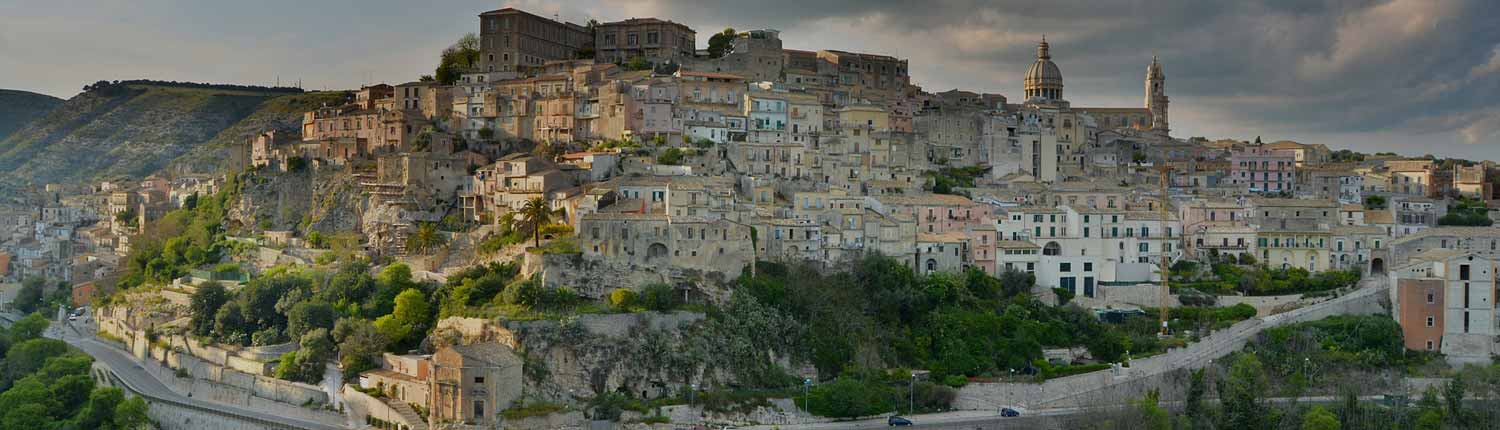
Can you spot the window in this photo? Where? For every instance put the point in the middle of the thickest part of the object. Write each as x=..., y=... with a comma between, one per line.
x=1431, y=298
x=1065, y=267
x=478, y=379
x=1145, y=247
x=478, y=409
x=1088, y=267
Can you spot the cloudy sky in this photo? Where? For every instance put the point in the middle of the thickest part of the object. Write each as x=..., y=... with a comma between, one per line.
x=1411, y=76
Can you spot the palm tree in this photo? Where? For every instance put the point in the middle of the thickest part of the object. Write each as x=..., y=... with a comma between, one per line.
x=425, y=239
x=537, y=215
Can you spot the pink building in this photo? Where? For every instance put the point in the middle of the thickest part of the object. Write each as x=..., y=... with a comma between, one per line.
x=1263, y=170
x=937, y=213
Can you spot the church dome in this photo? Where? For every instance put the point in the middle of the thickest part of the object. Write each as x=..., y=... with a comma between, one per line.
x=1044, y=78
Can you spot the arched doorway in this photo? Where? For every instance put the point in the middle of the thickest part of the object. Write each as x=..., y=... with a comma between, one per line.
x=655, y=252
x=1052, y=248
x=1377, y=266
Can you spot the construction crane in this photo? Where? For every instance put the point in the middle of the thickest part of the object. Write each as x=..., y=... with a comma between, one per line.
x=1166, y=260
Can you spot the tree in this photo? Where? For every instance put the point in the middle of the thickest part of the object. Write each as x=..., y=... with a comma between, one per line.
x=1150, y=408
x=537, y=214
x=307, y=363
x=1318, y=418
x=1242, y=394
x=28, y=328
x=229, y=322
x=70, y=392
x=131, y=415
x=26, y=416
x=29, y=298
x=26, y=357
x=487, y=133
x=458, y=58
x=360, y=343
x=99, y=412
x=1193, y=407
x=1453, y=396
x=309, y=315
x=205, y=305
x=426, y=239
x=659, y=297
x=412, y=308
x=407, y=318
x=721, y=43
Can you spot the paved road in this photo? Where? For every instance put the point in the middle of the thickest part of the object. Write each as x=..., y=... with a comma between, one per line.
x=130, y=372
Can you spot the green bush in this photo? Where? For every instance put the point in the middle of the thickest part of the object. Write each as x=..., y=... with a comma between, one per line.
x=659, y=297
x=849, y=397
x=621, y=298
x=956, y=381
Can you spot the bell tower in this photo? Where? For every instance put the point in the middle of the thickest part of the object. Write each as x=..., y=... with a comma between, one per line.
x=1156, y=96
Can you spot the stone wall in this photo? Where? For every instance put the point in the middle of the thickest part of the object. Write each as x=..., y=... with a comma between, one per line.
x=1165, y=371
x=360, y=406
x=464, y=331
x=595, y=278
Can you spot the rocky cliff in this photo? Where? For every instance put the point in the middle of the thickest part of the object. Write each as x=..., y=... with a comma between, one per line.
x=327, y=200
x=135, y=129
x=18, y=108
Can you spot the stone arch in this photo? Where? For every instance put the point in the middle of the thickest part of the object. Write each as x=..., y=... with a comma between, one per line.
x=931, y=265
x=1052, y=248
x=655, y=252
x=1377, y=266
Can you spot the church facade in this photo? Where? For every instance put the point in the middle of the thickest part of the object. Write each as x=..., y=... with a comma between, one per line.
x=1044, y=93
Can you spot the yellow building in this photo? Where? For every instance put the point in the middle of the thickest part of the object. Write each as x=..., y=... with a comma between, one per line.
x=1288, y=248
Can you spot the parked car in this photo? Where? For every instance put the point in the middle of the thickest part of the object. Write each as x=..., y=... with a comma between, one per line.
x=1008, y=412
x=895, y=421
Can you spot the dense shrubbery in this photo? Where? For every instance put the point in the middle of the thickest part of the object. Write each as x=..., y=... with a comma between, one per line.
x=882, y=314
x=945, y=180
x=1226, y=278
x=1467, y=212
x=181, y=240
x=1341, y=342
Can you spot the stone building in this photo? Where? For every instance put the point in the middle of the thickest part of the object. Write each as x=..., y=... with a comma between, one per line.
x=512, y=40
x=755, y=55
x=471, y=384
x=653, y=39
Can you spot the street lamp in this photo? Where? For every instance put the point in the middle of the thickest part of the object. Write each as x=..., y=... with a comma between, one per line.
x=911, y=401
x=806, y=384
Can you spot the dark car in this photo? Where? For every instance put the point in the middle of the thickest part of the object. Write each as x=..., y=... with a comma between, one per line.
x=897, y=421
x=1008, y=412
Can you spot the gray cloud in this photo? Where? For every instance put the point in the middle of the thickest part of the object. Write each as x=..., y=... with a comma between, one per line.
x=1417, y=66
x=1373, y=74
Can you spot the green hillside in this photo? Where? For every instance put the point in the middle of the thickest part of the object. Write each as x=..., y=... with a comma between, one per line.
x=136, y=129
x=18, y=108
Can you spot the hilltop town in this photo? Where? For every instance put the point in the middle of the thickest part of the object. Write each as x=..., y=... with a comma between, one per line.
x=567, y=225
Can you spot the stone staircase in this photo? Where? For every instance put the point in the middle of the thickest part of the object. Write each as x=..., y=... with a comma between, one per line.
x=408, y=414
